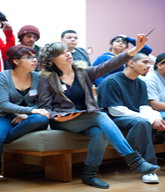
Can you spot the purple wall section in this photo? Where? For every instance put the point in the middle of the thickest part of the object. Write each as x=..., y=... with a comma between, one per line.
x=107, y=18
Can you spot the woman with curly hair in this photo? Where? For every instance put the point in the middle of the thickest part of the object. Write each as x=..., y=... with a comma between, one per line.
x=66, y=89
x=19, y=113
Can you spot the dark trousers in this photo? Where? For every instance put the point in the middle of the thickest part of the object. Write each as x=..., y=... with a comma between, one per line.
x=139, y=135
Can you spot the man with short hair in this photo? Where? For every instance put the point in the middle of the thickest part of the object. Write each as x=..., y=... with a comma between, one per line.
x=28, y=35
x=80, y=56
x=155, y=81
x=10, y=41
x=124, y=96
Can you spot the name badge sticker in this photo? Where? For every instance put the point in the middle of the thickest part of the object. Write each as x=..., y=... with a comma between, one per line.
x=33, y=92
x=64, y=87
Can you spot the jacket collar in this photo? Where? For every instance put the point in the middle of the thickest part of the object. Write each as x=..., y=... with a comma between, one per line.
x=55, y=83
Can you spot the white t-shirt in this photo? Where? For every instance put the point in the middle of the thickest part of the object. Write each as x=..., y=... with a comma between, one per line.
x=155, y=86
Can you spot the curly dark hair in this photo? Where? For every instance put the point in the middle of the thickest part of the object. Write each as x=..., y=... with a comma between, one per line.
x=47, y=53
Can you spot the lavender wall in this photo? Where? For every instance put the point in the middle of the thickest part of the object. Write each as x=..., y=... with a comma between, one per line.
x=107, y=18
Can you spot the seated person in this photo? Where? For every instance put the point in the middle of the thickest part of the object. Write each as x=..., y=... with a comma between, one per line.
x=18, y=102
x=80, y=56
x=10, y=41
x=64, y=89
x=118, y=45
x=28, y=35
x=155, y=81
x=125, y=96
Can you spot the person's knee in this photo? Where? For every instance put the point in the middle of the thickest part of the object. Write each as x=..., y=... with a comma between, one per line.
x=104, y=117
x=143, y=124
x=40, y=120
x=43, y=120
x=97, y=133
x=146, y=124
x=141, y=121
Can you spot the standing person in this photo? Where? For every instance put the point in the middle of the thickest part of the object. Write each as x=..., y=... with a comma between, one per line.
x=125, y=96
x=18, y=102
x=27, y=36
x=118, y=45
x=10, y=41
x=65, y=88
x=80, y=56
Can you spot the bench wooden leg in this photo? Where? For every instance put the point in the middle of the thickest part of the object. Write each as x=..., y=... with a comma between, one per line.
x=10, y=166
x=59, y=167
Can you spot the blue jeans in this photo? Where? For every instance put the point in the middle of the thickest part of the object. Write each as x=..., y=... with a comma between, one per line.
x=9, y=132
x=101, y=129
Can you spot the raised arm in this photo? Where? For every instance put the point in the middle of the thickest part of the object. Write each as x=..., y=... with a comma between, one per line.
x=10, y=39
x=95, y=72
x=146, y=49
x=140, y=43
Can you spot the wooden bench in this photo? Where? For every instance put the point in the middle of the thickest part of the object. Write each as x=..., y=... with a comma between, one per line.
x=51, y=151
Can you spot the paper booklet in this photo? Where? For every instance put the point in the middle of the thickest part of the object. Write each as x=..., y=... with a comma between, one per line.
x=83, y=111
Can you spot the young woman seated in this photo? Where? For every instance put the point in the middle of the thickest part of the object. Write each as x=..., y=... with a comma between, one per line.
x=66, y=89
x=19, y=113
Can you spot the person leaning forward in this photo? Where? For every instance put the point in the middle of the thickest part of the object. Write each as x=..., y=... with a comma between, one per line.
x=64, y=88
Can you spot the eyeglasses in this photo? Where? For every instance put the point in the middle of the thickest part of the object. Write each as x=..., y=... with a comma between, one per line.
x=162, y=61
x=29, y=57
x=118, y=41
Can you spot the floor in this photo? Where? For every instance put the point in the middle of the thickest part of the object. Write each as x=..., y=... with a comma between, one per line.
x=117, y=174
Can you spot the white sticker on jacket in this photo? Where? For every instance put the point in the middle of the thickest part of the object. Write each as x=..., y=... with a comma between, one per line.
x=64, y=87
x=33, y=92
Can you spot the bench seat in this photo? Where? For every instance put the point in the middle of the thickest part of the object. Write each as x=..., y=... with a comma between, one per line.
x=51, y=151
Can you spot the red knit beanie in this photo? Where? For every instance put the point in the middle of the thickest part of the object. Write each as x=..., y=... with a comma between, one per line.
x=29, y=29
